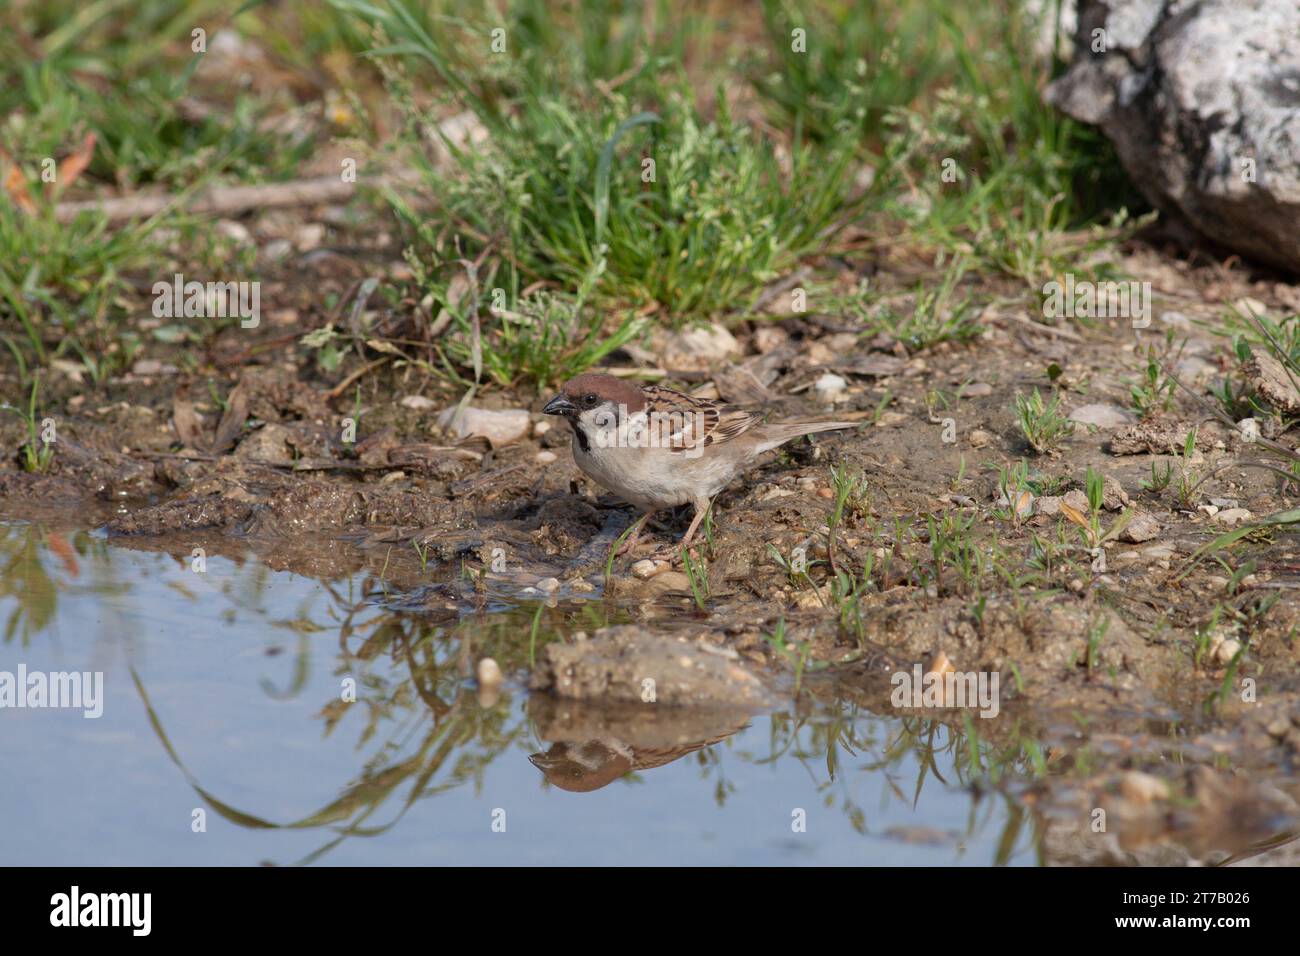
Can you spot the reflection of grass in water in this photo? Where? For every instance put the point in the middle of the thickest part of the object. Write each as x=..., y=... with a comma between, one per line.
x=421, y=732
x=28, y=553
x=426, y=733
x=25, y=581
x=454, y=736
x=974, y=764
x=454, y=726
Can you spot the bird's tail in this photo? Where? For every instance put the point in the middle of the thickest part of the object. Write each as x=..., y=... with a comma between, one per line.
x=781, y=433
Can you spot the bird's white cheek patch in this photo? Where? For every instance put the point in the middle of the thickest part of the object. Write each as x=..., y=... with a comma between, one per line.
x=613, y=427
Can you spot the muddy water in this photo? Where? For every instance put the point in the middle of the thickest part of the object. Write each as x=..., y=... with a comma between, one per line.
x=227, y=737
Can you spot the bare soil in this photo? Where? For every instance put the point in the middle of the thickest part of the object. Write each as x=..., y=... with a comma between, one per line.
x=156, y=462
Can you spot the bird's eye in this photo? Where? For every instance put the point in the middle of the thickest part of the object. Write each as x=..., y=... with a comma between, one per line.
x=590, y=400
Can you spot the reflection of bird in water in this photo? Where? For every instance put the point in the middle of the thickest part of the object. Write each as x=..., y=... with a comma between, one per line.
x=581, y=767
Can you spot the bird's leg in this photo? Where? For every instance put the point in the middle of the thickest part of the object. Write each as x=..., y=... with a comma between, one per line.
x=700, y=511
x=636, y=529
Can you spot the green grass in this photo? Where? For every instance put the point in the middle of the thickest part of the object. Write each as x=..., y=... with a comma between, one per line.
x=132, y=81
x=691, y=213
x=1280, y=338
x=538, y=339
x=761, y=157
x=70, y=290
x=1022, y=179
x=63, y=287
x=857, y=62
x=937, y=314
x=1155, y=392
x=37, y=452
x=143, y=134
x=1042, y=423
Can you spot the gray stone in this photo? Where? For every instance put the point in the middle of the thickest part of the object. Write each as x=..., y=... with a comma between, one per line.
x=1142, y=527
x=1103, y=416
x=1202, y=102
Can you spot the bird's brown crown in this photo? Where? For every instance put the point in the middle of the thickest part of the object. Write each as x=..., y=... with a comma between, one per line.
x=606, y=388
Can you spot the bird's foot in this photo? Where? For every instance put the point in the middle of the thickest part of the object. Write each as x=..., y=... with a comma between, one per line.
x=672, y=553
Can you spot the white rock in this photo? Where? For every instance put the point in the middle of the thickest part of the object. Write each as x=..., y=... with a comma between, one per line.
x=769, y=337
x=499, y=428
x=1142, y=787
x=546, y=457
x=277, y=249
x=831, y=388
x=74, y=370
x=418, y=402
x=309, y=236
x=1159, y=552
x=1141, y=528
x=1223, y=650
x=1103, y=416
x=1233, y=516
x=699, y=347
x=234, y=230
x=489, y=672
x=1250, y=306
x=1188, y=92
x=645, y=569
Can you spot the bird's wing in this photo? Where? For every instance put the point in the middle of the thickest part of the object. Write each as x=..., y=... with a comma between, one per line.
x=687, y=422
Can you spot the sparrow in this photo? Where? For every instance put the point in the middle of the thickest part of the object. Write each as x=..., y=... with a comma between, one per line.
x=657, y=448
x=580, y=767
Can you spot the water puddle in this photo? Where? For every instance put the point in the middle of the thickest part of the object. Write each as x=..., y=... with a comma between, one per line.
x=251, y=715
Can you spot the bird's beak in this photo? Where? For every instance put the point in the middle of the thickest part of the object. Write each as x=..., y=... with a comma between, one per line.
x=559, y=405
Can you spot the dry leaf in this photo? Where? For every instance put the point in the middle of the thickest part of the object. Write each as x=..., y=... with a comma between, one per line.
x=379, y=345
x=14, y=185
x=1072, y=513
x=939, y=664
x=73, y=166
x=188, y=424
x=66, y=553
x=232, y=422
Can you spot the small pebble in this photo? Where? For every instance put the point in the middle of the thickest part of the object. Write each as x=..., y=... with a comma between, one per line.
x=309, y=236
x=645, y=569
x=1142, y=788
x=1102, y=416
x=831, y=388
x=1223, y=650
x=1233, y=516
x=489, y=673
x=1141, y=528
x=234, y=230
